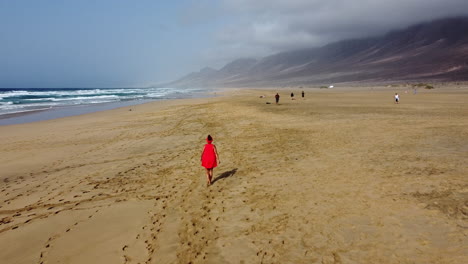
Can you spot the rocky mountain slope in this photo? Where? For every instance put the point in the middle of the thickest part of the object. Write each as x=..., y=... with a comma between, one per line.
x=436, y=50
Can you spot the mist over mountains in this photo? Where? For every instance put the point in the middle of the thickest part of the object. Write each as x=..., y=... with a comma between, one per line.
x=435, y=51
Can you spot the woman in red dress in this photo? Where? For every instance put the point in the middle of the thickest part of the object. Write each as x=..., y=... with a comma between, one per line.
x=209, y=158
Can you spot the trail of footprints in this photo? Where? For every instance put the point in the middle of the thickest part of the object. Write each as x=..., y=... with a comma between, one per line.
x=200, y=224
x=195, y=234
x=49, y=244
x=149, y=233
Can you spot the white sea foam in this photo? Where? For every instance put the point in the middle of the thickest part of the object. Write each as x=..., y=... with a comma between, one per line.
x=23, y=100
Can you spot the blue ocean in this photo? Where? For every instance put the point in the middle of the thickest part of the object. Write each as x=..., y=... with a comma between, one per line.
x=17, y=104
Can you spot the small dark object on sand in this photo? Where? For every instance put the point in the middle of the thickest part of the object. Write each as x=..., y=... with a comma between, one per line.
x=268, y=103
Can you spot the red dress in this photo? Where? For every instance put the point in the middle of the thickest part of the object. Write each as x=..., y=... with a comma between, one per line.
x=209, y=157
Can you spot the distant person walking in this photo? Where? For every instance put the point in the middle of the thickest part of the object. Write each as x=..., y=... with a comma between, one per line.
x=292, y=96
x=397, y=98
x=302, y=94
x=277, y=96
x=209, y=159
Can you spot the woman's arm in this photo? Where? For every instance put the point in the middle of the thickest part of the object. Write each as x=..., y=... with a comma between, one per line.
x=217, y=156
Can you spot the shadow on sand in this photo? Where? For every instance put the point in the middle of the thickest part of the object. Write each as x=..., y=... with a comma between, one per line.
x=224, y=175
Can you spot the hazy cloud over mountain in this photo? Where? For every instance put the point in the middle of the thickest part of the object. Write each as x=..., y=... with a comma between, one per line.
x=266, y=26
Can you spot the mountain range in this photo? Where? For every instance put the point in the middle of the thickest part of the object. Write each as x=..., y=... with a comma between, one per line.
x=435, y=51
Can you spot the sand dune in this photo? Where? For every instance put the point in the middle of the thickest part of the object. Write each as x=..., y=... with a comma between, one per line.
x=342, y=176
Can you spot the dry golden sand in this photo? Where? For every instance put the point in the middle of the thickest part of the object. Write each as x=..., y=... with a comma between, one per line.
x=344, y=176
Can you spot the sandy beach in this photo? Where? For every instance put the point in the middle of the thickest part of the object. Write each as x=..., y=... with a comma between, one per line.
x=342, y=176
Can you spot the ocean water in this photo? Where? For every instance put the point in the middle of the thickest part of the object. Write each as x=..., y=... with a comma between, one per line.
x=27, y=105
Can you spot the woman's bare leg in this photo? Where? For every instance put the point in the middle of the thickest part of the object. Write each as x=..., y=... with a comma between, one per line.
x=211, y=175
x=208, y=178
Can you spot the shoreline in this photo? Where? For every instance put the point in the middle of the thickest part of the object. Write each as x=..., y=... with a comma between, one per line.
x=339, y=176
x=75, y=110
x=64, y=111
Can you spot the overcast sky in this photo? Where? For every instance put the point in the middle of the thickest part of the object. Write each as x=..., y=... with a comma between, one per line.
x=128, y=43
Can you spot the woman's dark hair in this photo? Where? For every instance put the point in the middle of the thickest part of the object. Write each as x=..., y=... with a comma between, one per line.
x=209, y=137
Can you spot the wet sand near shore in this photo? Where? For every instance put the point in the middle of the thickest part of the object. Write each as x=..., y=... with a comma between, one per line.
x=341, y=176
